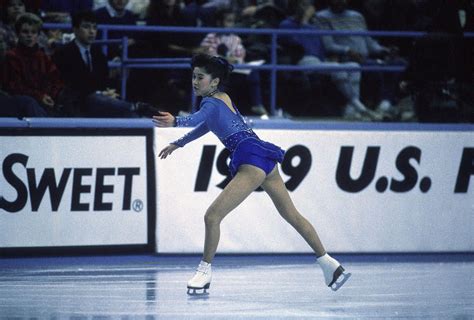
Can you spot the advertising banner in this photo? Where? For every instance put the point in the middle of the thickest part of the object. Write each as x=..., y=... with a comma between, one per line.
x=364, y=191
x=87, y=189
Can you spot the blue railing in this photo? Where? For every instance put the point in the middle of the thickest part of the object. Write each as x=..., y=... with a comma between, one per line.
x=272, y=65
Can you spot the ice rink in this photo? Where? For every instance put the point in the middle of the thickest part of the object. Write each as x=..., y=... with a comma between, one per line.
x=429, y=286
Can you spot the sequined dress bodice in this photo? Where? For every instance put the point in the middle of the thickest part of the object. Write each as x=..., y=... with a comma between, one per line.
x=215, y=116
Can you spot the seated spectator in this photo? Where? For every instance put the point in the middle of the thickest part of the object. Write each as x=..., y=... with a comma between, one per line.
x=257, y=15
x=169, y=89
x=84, y=69
x=229, y=46
x=20, y=106
x=348, y=83
x=439, y=74
x=10, y=11
x=59, y=11
x=260, y=14
x=138, y=7
x=115, y=12
x=16, y=106
x=363, y=50
x=169, y=44
x=391, y=15
x=197, y=13
x=28, y=70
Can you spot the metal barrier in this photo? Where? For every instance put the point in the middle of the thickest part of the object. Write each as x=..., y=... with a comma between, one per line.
x=272, y=65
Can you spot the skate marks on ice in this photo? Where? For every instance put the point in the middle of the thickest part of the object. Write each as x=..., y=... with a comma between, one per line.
x=268, y=287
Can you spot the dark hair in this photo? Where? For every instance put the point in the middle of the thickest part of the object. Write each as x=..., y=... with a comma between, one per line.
x=156, y=11
x=4, y=10
x=221, y=13
x=81, y=16
x=30, y=19
x=217, y=67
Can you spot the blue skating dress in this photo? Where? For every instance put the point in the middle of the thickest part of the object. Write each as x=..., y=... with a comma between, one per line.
x=232, y=130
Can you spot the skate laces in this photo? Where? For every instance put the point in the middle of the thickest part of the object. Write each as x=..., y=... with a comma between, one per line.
x=203, y=269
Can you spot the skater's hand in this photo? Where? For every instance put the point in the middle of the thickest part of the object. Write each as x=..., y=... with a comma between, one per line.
x=164, y=119
x=167, y=151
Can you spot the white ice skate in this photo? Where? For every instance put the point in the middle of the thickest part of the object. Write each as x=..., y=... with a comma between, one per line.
x=201, y=280
x=334, y=274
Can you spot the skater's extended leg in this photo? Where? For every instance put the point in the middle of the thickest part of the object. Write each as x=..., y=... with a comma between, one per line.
x=277, y=191
x=334, y=274
x=247, y=179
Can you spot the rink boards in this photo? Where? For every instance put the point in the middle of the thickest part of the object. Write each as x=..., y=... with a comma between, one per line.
x=366, y=188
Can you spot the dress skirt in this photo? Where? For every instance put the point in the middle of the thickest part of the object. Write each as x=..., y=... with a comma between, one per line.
x=256, y=152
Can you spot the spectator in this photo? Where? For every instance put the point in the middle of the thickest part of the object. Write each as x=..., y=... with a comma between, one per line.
x=439, y=73
x=28, y=70
x=84, y=70
x=198, y=13
x=363, y=50
x=313, y=53
x=10, y=11
x=260, y=13
x=170, y=88
x=59, y=11
x=166, y=44
x=230, y=47
x=20, y=106
x=391, y=15
x=16, y=106
x=115, y=12
x=32, y=6
x=138, y=7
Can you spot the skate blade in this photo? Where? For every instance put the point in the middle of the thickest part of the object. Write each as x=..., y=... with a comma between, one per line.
x=198, y=291
x=339, y=282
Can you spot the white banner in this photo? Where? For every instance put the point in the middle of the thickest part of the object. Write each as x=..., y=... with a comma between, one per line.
x=73, y=191
x=364, y=191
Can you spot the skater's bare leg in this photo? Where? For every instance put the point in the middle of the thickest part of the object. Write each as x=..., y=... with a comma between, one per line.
x=334, y=274
x=277, y=191
x=247, y=179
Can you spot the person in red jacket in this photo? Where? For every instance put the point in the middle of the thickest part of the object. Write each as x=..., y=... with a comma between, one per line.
x=28, y=70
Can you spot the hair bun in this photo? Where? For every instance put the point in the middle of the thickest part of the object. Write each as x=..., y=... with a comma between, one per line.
x=224, y=62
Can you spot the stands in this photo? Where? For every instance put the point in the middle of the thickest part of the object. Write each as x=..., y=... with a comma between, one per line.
x=135, y=66
x=273, y=66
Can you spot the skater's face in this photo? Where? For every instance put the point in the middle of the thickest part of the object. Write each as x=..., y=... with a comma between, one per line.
x=203, y=82
x=86, y=32
x=28, y=35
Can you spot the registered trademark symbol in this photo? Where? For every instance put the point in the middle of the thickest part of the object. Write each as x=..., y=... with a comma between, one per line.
x=137, y=205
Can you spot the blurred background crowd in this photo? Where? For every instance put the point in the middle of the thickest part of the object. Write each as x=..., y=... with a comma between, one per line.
x=56, y=72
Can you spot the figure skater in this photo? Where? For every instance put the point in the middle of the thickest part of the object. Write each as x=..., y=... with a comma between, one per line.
x=253, y=164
